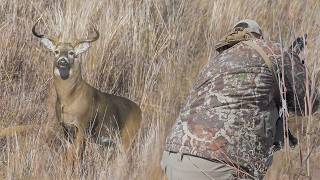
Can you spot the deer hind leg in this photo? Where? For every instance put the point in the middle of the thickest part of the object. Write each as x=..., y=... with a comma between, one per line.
x=129, y=132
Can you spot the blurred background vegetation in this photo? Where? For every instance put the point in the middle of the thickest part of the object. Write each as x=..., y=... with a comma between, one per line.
x=149, y=51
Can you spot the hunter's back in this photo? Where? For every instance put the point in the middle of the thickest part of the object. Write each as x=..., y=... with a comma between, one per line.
x=229, y=111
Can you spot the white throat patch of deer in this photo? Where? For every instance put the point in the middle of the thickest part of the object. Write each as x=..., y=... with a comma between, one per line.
x=81, y=109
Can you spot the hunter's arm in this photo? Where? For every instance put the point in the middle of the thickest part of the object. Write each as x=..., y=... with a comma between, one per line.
x=296, y=82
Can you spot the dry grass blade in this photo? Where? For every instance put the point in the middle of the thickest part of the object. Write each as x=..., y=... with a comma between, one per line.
x=148, y=51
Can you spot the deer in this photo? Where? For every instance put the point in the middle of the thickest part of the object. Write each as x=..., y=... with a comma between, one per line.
x=83, y=111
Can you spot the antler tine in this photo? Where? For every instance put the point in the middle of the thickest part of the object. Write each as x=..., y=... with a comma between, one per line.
x=34, y=32
x=96, y=37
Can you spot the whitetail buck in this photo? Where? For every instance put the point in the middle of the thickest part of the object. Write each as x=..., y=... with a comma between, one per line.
x=81, y=109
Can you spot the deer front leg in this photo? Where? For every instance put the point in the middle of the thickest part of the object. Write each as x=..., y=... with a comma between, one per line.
x=76, y=141
x=79, y=143
x=78, y=150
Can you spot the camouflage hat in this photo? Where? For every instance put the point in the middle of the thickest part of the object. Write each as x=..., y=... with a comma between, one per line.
x=251, y=25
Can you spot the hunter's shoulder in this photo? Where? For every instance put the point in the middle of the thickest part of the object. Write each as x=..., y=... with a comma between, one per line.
x=269, y=46
x=242, y=48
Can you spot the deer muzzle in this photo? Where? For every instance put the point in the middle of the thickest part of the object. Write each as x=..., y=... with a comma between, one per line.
x=63, y=66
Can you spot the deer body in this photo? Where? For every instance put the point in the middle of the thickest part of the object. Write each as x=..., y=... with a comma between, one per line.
x=82, y=110
x=80, y=106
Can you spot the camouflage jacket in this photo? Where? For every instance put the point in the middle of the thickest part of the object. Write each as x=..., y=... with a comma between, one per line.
x=232, y=109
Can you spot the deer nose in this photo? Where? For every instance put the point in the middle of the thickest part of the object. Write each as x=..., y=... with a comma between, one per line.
x=63, y=61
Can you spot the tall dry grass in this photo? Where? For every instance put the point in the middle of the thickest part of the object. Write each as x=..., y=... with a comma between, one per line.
x=148, y=51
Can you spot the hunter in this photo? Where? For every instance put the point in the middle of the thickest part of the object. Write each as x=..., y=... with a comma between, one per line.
x=228, y=127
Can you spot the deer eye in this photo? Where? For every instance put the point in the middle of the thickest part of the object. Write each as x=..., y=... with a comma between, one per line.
x=56, y=52
x=71, y=53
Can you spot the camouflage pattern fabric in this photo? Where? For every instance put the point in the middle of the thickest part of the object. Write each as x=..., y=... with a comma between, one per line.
x=232, y=109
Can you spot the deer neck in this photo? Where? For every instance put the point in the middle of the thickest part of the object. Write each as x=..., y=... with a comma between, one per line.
x=67, y=89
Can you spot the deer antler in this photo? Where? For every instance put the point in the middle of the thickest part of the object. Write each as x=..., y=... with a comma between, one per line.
x=34, y=32
x=89, y=40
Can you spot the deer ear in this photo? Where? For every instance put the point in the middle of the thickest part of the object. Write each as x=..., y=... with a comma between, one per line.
x=48, y=43
x=81, y=47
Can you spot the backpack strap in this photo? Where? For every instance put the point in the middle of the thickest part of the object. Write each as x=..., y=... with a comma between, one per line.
x=263, y=54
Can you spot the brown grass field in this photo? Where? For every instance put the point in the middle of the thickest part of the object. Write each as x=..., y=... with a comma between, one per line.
x=149, y=51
